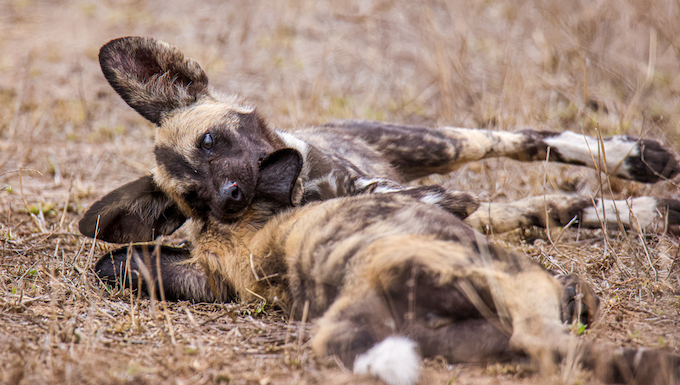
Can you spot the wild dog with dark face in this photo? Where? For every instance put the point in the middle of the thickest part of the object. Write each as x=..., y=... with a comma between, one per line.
x=390, y=279
x=208, y=150
x=220, y=167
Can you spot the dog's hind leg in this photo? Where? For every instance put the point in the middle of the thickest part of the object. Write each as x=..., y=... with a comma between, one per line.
x=421, y=151
x=361, y=333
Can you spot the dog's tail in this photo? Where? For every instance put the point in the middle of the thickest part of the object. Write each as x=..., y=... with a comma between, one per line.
x=394, y=360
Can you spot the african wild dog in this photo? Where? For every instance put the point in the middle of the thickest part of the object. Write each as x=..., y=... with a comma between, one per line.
x=430, y=282
x=209, y=146
x=390, y=279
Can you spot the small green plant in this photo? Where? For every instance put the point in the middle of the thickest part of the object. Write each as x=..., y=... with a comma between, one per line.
x=578, y=328
x=260, y=308
x=48, y=208
x=223, y=378
x=190, y=350
x=661, y=341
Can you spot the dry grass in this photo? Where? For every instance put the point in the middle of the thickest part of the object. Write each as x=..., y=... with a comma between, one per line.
x=66, y=139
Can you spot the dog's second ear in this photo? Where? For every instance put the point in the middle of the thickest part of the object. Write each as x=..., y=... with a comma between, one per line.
x=153, y=77
x=278, y=176
x=136, y=212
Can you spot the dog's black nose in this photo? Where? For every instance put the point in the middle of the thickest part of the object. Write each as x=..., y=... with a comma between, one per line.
x=231, y=197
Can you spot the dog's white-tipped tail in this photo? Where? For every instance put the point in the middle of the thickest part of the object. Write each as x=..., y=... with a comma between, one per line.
x=394, y=360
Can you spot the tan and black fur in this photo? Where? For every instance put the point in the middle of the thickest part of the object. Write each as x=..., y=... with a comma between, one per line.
x=288, y=217
x=343, y=158
x=386, y=269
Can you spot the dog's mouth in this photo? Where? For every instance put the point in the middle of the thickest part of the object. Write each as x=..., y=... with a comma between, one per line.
x=228, y=215
x=217, y=209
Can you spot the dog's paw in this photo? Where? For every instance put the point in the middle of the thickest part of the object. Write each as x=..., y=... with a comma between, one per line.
x=579, y=301
x=650, y=163
x=670, y=214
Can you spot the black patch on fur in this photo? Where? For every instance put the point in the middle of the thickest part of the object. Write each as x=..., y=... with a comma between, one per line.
x=639, y=366
x=175, y=274
x=174, y=163
x=536, y=149
x=557, y=215
x=579, y=302
x=457, y=203
x=348, y=347
x=563, y=217
x=413, y=284
x=467, y=341
x=136, y=212
x=361, y=325
x=654, y=164
x=671, y=209
x=426, y=147
x=278, y=174
x=379, y=208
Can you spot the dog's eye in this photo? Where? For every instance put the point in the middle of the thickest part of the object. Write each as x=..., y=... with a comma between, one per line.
x=207, y=141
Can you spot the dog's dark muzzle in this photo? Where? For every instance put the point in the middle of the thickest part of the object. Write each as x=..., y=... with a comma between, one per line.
x=232, y=198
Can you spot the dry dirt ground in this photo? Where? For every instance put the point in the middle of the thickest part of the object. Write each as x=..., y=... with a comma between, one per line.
x=66, y=139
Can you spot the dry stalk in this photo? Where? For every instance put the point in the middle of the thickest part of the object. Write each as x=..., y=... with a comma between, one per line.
x=651, y=64
x=289, y=327
x=602, y=167
x=143, y=266
x=168, y=320
x=36, y=221
x=644, y=245
x=616, y=211
x=157, y=255
x=571, y=363
x=66, y=202
x=90, y=255
x=496, y=293
x=301, y=330
x=128, y=259
x=19, y=101
x=190, y=316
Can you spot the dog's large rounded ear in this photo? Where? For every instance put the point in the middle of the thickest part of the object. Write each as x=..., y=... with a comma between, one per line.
x=153, y=77
x=278, y=176
x=136, y=212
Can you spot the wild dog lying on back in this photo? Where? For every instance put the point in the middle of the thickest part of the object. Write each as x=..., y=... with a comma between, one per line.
x=390, y=278
x=431, y=283
x=208, y=150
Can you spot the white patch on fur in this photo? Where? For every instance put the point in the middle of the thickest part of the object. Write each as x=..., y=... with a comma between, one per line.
x=583, y=149
x=394, y=360
x=362, y=183
x=293, y=142
x=386, y=189
x=331, y=182
x=431, y=199
x=382, y=185
x=642, y=209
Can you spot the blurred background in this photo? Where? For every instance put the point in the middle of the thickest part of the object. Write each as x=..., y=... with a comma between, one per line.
x=575, y=65
x=595, y=66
